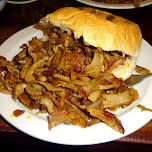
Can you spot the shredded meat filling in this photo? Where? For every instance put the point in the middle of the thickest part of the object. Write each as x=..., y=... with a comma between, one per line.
x=69, y=80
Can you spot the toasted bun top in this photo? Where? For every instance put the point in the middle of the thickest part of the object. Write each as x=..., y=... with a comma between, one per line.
x=98, y=28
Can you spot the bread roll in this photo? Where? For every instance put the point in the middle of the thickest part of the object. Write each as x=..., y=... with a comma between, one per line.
x=100, y=29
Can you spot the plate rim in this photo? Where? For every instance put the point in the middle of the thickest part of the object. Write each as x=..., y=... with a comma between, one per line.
x=20, y=2
x=114, y=6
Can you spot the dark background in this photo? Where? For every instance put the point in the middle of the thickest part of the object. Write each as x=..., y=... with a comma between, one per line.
x=16, y=17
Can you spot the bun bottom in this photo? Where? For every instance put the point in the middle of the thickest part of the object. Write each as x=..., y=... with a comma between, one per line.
x=125, y=71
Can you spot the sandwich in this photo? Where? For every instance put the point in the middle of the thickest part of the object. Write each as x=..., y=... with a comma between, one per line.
x=113, y=34
x=76, y=71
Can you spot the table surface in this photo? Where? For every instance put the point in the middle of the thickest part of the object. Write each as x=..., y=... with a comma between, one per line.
x=16, y=17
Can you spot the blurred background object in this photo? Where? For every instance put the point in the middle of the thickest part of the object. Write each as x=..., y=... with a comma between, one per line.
x=2, y=4
x=20, y=1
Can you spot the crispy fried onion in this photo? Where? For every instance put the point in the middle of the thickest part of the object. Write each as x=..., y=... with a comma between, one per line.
x=70, y=81
x=48, y=103
x=29, y=74
x=19, y=89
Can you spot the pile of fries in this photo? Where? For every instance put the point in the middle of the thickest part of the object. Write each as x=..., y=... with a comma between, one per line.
x=136, y=3
x=69, y=80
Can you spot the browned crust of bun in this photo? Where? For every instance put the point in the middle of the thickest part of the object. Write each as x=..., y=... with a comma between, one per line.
x=99, y=28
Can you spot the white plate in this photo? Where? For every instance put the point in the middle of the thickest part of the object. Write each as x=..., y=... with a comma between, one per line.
x=36, y=125
x=114, y=6
x=20, y=2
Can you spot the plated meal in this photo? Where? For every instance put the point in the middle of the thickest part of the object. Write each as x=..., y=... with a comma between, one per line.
x=76, y=71
x=136, y=3
x=117, y=4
